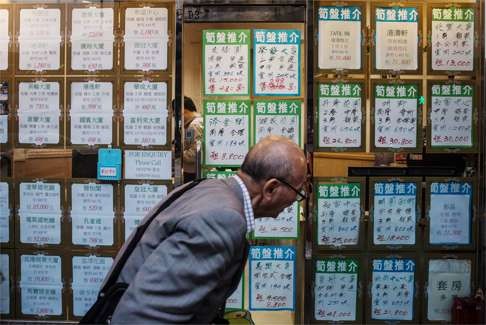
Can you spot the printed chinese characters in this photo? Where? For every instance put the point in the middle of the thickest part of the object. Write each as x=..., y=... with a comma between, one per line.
x=396, y=38
x=145, y=39
x=339, y=37
x=92, y=39
x=450, y=212
x=91, y=113
x=145, y=113
x=39, y=112
x=92, y=214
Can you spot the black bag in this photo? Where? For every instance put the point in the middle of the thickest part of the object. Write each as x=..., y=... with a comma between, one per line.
x=112, y=291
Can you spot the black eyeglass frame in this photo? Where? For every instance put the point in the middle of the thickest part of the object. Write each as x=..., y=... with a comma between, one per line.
x=301, y=195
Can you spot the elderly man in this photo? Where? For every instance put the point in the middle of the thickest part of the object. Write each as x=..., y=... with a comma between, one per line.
x=191, y=257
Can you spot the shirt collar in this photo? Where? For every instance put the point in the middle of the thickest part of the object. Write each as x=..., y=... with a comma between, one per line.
x=249, y=216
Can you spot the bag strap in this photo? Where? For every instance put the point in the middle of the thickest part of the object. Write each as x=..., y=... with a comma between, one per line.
x=140, y=230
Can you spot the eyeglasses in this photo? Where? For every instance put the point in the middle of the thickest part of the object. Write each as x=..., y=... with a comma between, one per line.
x=301, y=194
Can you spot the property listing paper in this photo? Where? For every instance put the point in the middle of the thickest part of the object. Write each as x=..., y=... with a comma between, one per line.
x=145, y=113
x=5, y=212
x=146, y=38
x=4, y=112
x=396, y=38
x=91, y=113
x=448, y=278
x=286, y=225
x=41, y=285
x=394, y=213
x=236, y=300
x=92, y=214
x=451, y=115
x=226, y=62
x=396, y=115
x=340, y=115
x=40, y=39
x=272, y=277
x=336, y=289
x=39, y=112
x=40, y=213
x=139, y=199
x=392, y=289
x=5, y=289
x=339, y=37
x=148, y=164
x=338, y=213
x=277, y=117
x=226, y=132
x=450, y=213
x=452, y=39
x=88, y=275
x=4, y=38
x=276, y=62
x=92, y=39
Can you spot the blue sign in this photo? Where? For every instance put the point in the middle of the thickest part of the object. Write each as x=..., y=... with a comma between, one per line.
x=272, y=277
x=109, y=164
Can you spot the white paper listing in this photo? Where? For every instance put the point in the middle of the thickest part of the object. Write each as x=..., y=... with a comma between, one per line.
x=91, y=113
x=92, y=39
x=39, y=97
x=145, y=97
x=272, y=277
x=5, y=211
x=394, y=213
x=451, y=115
x=450, y=213
x=145, y=39
x=92, y=230
x=392, y=289
x=92, y=214
x=396, y=38
x=286, y=225
x=447, y=278
x=88, y=274
x=339, y=37
x=5, y=284
x=139, y=200
x=453, y=39
x=40, y=197
x=41, y=285
x=39, y=112
x=145, y=164
x=145, y=113
x=336, y=289
x=338, y=214
x=40, y=228
x=235, y=301
x=4, y=129
x=4, y=39
x=40, y=39
x=340, y=115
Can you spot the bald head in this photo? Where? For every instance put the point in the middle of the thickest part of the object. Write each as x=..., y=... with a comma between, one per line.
x=274, y=156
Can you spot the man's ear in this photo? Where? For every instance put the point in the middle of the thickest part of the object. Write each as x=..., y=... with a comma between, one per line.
x=270, y=187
